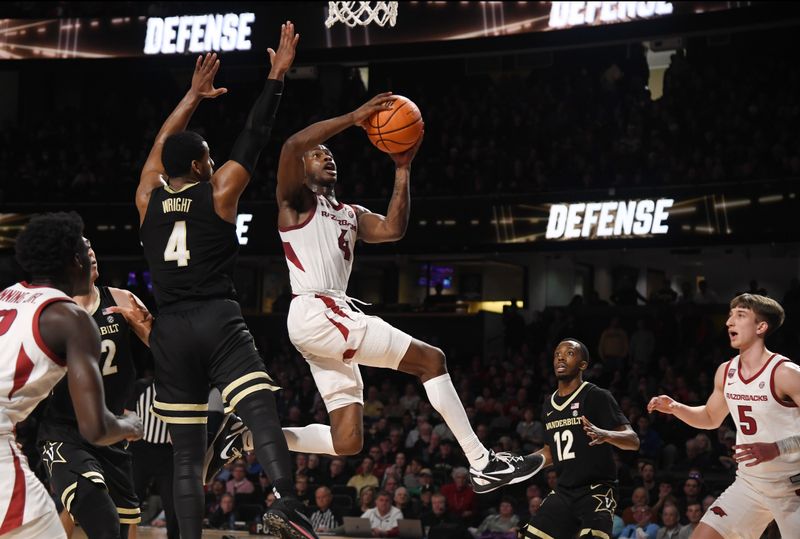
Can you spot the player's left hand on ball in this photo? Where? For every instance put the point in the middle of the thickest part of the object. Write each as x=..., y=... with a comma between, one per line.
x=757, y=452
x=403, y=159
x=596, y=435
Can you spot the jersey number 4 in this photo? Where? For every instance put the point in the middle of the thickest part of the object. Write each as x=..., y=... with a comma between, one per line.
x=344, y=244
x=564, y=437
x=176, y=250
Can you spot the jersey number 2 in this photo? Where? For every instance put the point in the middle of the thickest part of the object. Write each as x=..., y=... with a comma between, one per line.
x=108, y=347
x=344, y=244
x=565, y=437
x=747, y=423
x=176, y=250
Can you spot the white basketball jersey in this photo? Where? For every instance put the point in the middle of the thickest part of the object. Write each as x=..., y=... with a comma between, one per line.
x=28, y=369
x=761, y=417
x=319, y=251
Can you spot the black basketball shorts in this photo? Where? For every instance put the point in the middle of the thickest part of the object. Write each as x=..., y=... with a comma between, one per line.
x=574, y=512
x=110, y=468
x=199, y=344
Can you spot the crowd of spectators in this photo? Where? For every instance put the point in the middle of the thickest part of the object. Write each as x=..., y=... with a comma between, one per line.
x=727, y=114
x=412, y=468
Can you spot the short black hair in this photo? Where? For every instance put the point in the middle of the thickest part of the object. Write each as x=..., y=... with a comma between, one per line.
x=584, y=350
x=180, y=150
x=47, y=245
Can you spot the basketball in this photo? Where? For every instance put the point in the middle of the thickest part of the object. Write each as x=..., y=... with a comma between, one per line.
x=396, y=129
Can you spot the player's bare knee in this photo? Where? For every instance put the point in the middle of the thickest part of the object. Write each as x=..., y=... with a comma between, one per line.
x=348, y=445
x=436, y=362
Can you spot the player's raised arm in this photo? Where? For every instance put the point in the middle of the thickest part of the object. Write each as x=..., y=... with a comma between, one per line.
x=708, y=416
x=375, y=228
x=232, y=178
x=291, y=170
x=69, y=329
x=202, y=87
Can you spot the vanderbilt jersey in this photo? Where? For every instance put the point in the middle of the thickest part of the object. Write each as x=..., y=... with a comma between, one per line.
x=116, y=366
x=28, y=369
x=319, y=251
x=576, y=462
x=760, y=416
x=190, y=249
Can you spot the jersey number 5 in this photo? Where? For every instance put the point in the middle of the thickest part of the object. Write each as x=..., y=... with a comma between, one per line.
x=176, y=250
x=344, y=244
x=564, y=437
x=747, y=423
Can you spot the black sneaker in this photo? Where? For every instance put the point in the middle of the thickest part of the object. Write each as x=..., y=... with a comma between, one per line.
x=287, y=519
x=227, y=446
x=504, y=469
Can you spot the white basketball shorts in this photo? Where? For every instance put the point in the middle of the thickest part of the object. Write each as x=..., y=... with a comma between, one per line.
x=335, y=339
x=747, y=507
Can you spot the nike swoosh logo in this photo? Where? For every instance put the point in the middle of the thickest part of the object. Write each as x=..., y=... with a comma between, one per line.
x=548, y=413
x=731, y=383
x=507, y=471
x=224, y=453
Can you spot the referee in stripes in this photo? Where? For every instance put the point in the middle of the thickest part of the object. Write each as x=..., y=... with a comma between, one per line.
x=152, y=456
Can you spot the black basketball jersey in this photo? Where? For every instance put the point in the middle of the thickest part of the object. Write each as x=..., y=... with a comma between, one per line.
x=578, y=463
x=116, y=367
x=190, y=249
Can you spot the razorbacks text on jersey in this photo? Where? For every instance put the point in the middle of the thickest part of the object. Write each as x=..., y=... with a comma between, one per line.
x=319, y=251
x=576, y=462
x=191, y=251
x=116, y=366
x=28, y=372
x=760, y=416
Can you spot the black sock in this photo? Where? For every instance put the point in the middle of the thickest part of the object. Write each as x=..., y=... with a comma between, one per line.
x=94, y=510
x=259, y=413
x=188, y=447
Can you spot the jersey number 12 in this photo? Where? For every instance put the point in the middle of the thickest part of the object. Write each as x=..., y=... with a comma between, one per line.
x=176, y=250
x=564, y=437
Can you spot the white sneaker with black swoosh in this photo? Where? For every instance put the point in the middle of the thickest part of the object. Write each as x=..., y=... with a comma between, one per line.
x=226, y=446
x=504, y=469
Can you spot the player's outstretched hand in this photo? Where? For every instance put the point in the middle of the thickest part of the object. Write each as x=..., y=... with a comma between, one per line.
x=135, y=425
x=137, y=316
x=205, y=69
x=403, y=159
x=757, y=452
x=661, y=403
x=596, y=435
x=382, y=101
x=282, y=59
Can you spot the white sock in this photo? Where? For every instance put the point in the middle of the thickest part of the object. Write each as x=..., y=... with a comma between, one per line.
x=445, y=400
x=314, y=438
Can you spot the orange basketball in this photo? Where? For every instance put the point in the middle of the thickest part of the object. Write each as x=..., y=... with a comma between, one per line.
x=396, y=129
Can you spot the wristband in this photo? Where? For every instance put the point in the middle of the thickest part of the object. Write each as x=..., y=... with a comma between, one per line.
x=789, y=445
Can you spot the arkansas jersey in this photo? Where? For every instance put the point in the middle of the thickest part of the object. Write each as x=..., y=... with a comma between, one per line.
x=761, y=417
x=319, y=251
x=28, y=372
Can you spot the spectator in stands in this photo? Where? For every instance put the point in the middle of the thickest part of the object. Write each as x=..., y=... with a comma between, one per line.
x=373, y=406
x=398, y=469
x=411, y=476
x=670, y=518
x=214, y=495
x=253, y=467
x=650, y=442
x=639, y=498
x=708, y=501
x=410, y=399
x=366, y=500
x=408, y=505
x=647, y=479
x=325, y=518
x=379, y=460
x=643, y=344
x=414, y=436
x=313, y=472
x=225, y=517
x=239, y=483
x=531, y=431
x=425, y=496
x=705, y=295
x=301, y=489
x=337, y=474
x=503, y=523
x=460, y=496
x=664, y=295
x=691, y=492
x=665, y=497
x=613, y=346
x=300, y=464
x=694, y=512
x=390, y=485
x=384, y=517
x=364, y=478
x=438, y=522
x=534, y=503
x=263, y=486
x=643, y=527
x=551, y=479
